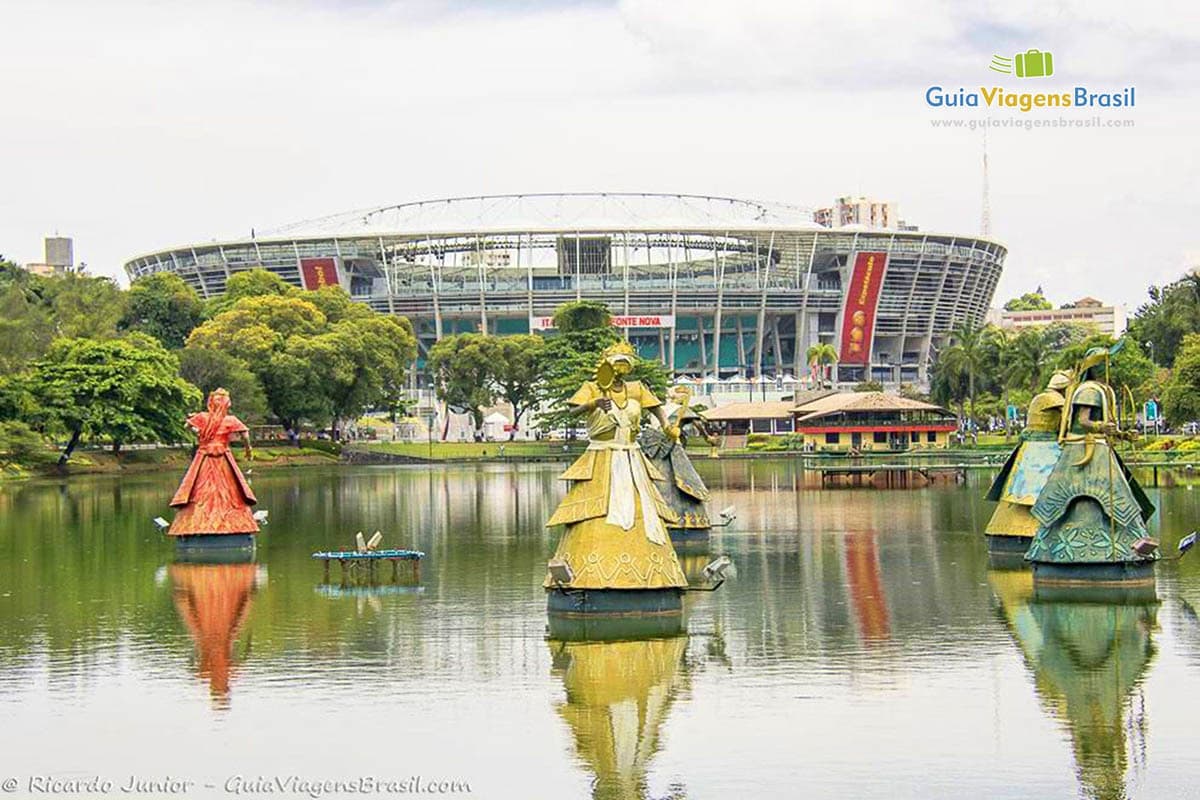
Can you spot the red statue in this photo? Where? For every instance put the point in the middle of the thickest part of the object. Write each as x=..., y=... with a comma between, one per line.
x=214, y=600
x=214, y=496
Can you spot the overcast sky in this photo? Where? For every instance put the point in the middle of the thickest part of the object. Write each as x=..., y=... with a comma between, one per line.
x=133, y=126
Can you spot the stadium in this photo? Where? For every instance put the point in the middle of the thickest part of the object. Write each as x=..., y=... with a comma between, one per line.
x=715, y=287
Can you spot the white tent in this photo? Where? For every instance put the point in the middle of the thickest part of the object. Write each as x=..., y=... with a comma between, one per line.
x=494, y=425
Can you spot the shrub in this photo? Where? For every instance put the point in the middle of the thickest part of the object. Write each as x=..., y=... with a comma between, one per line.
x=21, y=444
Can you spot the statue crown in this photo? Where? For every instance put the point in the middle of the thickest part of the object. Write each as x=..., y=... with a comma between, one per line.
x=621, y=348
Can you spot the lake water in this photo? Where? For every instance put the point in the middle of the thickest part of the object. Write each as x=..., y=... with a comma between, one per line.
x=863, y=649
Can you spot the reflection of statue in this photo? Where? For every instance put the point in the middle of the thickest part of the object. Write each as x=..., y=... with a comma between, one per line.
x=681, y=486
x=213, y=601
x=618, y=695
x=1091, y=510
x=1086, y=658
x=616, y=536
x=1016, y=488
x=214, y=497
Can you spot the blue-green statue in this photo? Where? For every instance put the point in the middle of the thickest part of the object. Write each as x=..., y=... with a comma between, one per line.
x=1091, y=513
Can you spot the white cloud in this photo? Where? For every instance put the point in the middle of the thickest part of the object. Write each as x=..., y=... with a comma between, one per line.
x=134, y=126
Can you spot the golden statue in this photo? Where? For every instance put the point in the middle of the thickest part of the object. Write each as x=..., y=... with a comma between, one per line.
x=618, y=695
x=616, y=535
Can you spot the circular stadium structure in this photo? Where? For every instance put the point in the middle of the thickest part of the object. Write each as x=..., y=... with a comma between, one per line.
x=713, y=286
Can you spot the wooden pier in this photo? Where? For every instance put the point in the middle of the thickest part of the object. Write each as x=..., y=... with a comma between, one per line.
x=890, y=475
x=356, y=563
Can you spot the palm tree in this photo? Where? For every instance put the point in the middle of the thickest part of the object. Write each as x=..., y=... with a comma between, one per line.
x=822, y=354
x=967, y=354
x=1026, y=359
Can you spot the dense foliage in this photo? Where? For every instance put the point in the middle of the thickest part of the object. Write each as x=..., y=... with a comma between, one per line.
x=82, y=360
x=1030, y=301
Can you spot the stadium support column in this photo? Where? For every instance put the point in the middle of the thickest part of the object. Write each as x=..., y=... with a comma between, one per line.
x=224, y=262
x=386, y=263
x=759, y=333
x=802, y=317
x=528, y=276
x=673, y=274
x=718, y=316
x=434, y=279
x=778, y=348
x=483, y=320
x=927, y=343
x=625, y=272
x=578, y=269
x=912, y=293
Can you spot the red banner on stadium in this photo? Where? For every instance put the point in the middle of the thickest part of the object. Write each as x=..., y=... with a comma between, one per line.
x=858, y=317
x=318, y=272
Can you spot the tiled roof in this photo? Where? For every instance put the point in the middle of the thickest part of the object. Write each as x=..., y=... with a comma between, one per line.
x=862, y=402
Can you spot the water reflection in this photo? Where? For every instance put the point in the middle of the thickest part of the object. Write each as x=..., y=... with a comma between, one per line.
x=1088, y=655
x=213, y=601
x=618, y=694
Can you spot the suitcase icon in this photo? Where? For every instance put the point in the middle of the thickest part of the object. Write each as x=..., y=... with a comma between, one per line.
x=1034, y=64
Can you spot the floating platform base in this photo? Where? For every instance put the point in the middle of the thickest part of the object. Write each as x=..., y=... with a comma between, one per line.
x=689, y=535
x=1105, y=574
x=1016, y=545
x=614, y=602
x=597, y=628
x=1007, y=562
x=215, y=545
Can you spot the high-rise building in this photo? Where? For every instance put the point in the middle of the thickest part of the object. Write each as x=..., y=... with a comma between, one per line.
x=59, y=256
x=864, y=211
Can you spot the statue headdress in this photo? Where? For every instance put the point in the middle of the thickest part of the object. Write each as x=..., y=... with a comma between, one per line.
x=618, y=351
x=1060, y=380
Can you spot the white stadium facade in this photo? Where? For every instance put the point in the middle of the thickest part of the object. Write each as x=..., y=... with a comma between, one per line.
x=715, y=287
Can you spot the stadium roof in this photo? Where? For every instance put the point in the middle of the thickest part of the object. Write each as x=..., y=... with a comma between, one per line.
x=582, y=211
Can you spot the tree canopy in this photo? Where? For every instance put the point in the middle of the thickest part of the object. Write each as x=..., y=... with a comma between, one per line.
x=1171, y=313
x=164, y=306
x=312, y=364
x=1030, y=301
x=117, y=389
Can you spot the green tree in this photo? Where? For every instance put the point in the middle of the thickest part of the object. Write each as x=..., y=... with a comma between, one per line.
x=822, y=355
x=117, y=389
x=85, y=306
x=20, y=444
x=208, y=369
x=868, y=386
x=461, y=367
x=164, y=306
x=310, y=365
x=26, y=325
x=1030, y=301
x=972, y=348
x=517, y=371
x=250, y=283
x=1181, y=398
x=1027, y=358
x=359, y=362
x=569, y=358
x=581, y=315
x=1172, y=313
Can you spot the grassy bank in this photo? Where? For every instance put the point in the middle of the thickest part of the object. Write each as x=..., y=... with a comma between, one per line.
x=104, y=462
